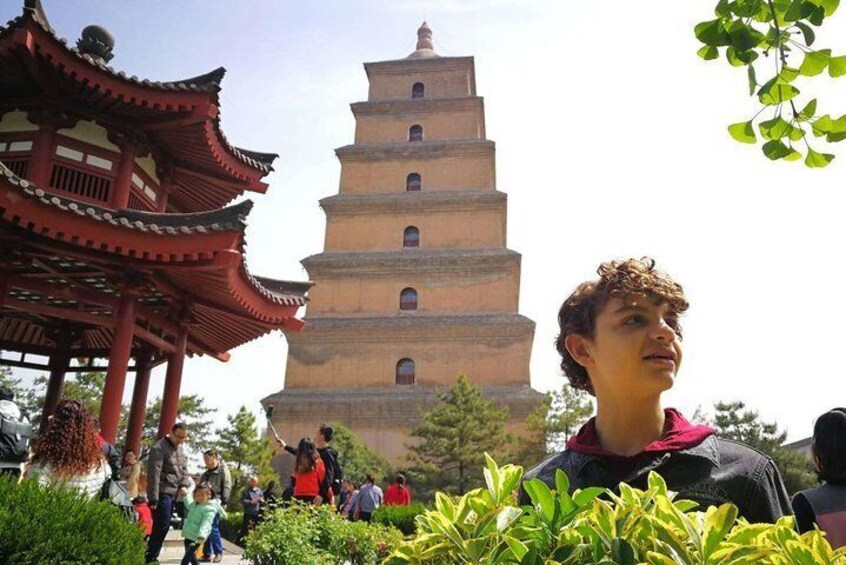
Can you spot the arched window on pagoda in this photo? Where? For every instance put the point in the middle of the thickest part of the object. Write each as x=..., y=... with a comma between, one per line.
x=413, y=183
x=415, y=133
x=406, y=373
x=408, y=299
x=411, y=237
x=418, y=90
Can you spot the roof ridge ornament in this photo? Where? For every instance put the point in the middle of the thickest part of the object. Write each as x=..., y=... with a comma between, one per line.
x=98, y=42
x=425, y=47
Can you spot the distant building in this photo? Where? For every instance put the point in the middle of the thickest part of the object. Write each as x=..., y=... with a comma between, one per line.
x=802, y=446
x=416, y=284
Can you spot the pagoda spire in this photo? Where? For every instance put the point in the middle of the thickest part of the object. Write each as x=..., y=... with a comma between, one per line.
x=425, y=47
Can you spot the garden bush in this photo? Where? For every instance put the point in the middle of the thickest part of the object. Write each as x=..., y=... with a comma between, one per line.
x=231, y=525
x=486, y=527
x=318, y=535
x=44, y=525
x=400, y=517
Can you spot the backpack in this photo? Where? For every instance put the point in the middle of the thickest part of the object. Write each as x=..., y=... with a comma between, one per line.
x=15, y=434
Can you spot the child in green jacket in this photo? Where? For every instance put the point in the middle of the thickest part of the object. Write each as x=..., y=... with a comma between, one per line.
x=198, y=523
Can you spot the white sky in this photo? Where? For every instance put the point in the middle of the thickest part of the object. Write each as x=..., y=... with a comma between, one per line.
x=611, y=142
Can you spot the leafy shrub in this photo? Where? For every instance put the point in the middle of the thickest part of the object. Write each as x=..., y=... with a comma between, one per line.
x=231, y=525
x=317, y=535
x=486, y=527
x=400, y=517
x=40, y=525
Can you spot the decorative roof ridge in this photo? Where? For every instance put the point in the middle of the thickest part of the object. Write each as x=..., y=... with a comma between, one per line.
x=255, y=159
x=207, y=81
x=287, y=293
x=261, y=157
x=232, y=218
x=279, y=284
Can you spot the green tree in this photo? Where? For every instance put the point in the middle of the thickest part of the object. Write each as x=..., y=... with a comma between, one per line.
x=559, y=416
x=778, y=29
x=453, y=439
x=356, y=457
x=192, y=410
x=735, y=422
x=246, y=451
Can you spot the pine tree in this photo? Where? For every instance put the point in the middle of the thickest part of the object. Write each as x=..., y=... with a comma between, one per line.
x=246, y=452
x=454, y=436
x=733, y=421
x=356, y=458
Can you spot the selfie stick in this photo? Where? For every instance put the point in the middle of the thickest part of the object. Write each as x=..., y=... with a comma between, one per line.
x=268, y=413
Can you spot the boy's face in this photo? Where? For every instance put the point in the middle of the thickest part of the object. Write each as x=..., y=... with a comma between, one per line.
x=635, y=351
x=201, y=496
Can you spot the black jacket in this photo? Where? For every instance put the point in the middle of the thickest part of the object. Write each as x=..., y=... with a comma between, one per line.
x=712, y=473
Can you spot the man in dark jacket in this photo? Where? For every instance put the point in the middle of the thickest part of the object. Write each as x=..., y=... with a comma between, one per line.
x=217, y=476
x=620, y=341
x=332, y=483
x=167, y=474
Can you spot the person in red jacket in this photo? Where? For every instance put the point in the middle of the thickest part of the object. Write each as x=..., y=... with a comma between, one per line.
x=310, y=473
x=145, y=515
x=398, y=494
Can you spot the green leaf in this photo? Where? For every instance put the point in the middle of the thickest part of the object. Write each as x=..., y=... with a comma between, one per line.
x=744, y=37
x=793, y=155
x=753, y=82
x=585, y=496
x=562, y=483
x=743, y=132
x=809, y=110
x=837, y=66
x=775, y=128
x=788, y=74
x=718, y=522
x=830, y=6
x=796, y=133
x=821, y=126
x=722, y=9
x=622, y=552
x=775, y=92
x=818, y=160
x=815, y=62
x=712, y=33
x=806, y=30
x=775, y=150
x=739, y=58
x=817, y=15
x=794, y=12
x=708, y=52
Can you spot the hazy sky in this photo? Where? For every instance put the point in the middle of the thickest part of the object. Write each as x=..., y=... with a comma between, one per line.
x=611, y=142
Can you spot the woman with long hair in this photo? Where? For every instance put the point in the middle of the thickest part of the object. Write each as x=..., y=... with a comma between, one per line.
x=825, y=506
x=310, y=473
x=67, y=452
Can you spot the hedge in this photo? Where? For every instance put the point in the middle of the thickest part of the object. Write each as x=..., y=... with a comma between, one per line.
x=318, y=535
x=486, y=527
x=41, y=525
x=400, y=517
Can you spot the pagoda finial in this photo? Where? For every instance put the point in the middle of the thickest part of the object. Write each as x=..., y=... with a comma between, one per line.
x=425, y=47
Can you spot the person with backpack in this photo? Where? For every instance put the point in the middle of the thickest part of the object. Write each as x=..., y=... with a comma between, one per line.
x=15, y=435
x=398, y=494
x=333, y=469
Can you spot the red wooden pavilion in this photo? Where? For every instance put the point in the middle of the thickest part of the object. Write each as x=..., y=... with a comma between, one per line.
x=116, y=240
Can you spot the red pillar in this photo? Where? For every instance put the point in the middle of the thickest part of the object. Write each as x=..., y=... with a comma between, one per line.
x=118, y=363
x=123, y=181
x=138, y=409
x=58, y=365
x=41, y=159
x=173, y=380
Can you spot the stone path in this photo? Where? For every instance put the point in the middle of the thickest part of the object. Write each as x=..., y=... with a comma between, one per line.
x=173, y=550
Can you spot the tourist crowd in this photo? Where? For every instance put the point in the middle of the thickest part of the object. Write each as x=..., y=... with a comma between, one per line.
x=162, y=494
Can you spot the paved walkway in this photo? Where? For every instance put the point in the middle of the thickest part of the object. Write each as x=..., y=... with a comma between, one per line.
x=173, y=551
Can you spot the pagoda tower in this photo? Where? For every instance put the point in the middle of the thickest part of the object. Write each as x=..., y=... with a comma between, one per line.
x=416, y=285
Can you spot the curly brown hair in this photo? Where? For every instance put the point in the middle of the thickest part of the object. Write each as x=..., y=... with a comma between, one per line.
x=69, y=444
x=617, y=279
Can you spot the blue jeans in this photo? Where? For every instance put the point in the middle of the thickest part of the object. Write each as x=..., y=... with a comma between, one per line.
x=214, y=545
x=161, y=524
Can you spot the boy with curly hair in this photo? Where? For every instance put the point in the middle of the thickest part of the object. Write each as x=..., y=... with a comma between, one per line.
x=620, y=341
